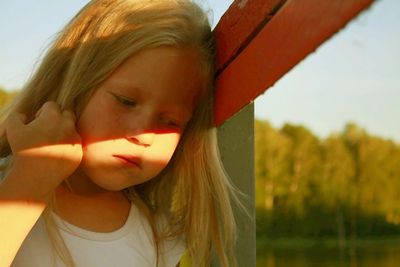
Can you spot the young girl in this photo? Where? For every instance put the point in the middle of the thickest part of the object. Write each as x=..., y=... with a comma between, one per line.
x=110, y=157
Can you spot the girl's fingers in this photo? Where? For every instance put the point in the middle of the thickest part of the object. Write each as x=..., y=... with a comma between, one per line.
x=14, y=124
x=49, y=106
x=69, y=115
x=16, y=120
x=38, y=113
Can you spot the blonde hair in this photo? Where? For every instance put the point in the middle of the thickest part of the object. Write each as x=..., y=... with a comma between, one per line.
x=192, y=192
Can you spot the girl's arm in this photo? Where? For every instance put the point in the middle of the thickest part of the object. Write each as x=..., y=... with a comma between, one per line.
x=18, y=214
x=16, y=220
x=45, y=151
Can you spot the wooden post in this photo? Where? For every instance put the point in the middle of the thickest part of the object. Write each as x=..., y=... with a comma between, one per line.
x=259, y=41
x=236, y=142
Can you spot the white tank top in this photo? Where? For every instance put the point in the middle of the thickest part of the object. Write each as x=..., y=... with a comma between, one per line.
x=131, y=245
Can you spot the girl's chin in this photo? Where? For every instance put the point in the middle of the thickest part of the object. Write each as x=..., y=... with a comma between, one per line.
x=117, y=176
x=112, y=184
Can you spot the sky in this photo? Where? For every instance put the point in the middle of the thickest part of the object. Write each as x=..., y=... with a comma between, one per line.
x=353, y=77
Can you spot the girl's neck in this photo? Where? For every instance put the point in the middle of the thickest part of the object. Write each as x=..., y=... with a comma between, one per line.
x=84, y=204
x=80, y=184
x=105, y=212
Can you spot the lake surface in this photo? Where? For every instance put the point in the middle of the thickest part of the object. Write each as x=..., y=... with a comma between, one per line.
x=367, y=255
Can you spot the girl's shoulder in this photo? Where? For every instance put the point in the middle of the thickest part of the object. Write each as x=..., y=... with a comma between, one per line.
x=171, y=248
x=133, y=242
x=36, y=249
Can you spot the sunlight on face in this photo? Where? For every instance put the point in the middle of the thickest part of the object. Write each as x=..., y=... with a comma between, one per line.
x=133, y=122
x=126, y=163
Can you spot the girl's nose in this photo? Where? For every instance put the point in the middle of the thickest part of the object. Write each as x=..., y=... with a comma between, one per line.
x=144, y=139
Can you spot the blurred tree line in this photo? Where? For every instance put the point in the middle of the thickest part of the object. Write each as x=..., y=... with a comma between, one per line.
x=6, y=96
x=346, y=186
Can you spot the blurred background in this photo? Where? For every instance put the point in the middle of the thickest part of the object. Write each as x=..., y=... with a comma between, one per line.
x=327, y=135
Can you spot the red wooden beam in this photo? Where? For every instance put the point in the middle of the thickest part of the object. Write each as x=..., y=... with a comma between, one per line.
x=267, y=48
x=238, y=26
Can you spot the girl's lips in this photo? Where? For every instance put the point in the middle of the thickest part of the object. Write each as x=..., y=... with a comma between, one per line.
x=132, y=160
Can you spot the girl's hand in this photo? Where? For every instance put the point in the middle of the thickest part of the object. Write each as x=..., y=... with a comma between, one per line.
x=46, y=150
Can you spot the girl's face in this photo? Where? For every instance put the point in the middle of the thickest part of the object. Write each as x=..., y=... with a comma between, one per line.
x=135, y=119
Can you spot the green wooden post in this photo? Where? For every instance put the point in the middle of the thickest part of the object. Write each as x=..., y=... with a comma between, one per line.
x=236, y=142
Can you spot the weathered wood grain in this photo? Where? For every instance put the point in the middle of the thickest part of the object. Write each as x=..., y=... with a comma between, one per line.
x=256, y=54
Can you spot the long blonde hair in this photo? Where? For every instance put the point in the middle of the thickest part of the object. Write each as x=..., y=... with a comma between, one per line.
x=192, y=192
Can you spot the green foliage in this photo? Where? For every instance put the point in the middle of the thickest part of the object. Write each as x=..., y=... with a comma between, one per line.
x=6, y=97
x=346, y=185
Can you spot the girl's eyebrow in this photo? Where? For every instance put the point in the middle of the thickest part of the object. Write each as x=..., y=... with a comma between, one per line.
x=122, y=82
x=139, y=92
x=125, y=88
x=182, y=111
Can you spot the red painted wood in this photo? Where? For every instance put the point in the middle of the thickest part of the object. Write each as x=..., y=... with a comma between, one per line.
x=239, y=24
x=295, y=31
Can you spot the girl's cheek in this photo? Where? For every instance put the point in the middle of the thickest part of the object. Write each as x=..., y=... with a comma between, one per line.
x=163, y=148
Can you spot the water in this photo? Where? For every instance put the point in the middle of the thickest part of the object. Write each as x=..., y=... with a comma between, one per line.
x=368, y=255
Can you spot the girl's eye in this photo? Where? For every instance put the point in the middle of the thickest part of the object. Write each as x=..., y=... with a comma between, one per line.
x=124, y=101
x=170, y=123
